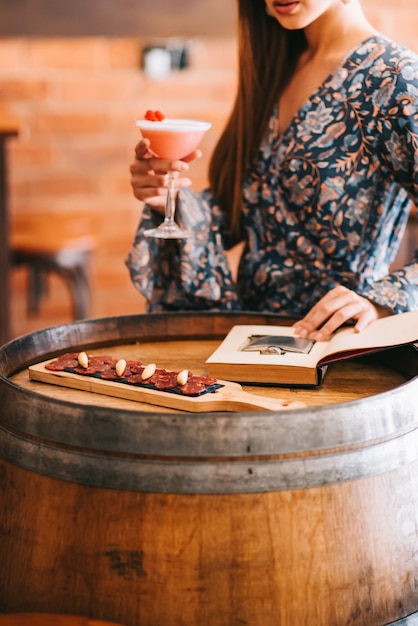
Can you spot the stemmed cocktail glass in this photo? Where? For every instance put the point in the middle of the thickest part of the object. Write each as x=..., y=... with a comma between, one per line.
x=171, y=139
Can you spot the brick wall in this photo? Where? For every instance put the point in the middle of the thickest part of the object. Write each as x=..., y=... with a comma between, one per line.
x=76, y=100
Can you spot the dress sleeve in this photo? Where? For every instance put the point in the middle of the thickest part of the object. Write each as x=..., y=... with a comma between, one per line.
x=398, y=129
x=184, y=274
x=398, y=291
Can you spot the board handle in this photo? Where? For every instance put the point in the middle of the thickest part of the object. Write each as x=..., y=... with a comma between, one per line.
x=240, y=400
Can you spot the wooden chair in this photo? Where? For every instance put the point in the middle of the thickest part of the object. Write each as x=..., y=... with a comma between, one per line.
x=59, y=244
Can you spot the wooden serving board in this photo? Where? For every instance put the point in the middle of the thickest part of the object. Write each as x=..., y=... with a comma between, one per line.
x=230, y=397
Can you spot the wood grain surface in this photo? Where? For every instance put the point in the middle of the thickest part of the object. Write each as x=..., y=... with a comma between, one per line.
x=49, y=619
x=345, y=381
x=335, y=555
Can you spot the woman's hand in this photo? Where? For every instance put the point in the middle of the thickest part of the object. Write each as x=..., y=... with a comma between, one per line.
x=337, y=307
x=148, y=175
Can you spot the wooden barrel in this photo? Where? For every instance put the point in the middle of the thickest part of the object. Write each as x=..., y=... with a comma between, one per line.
x=157, y=517
x=50, y=619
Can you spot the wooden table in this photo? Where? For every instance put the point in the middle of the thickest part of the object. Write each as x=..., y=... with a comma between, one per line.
x=8, y=128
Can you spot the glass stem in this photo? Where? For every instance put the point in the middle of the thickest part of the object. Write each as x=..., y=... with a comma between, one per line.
x=170, y=205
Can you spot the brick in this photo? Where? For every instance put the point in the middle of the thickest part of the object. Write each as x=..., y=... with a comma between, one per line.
x=213, y=53
x=56, y=184
x=62, y=53
x=123, y=53
x=23, y=89
x=11, y=54
x=29, y=154
x=104, y=86
x=60, y=122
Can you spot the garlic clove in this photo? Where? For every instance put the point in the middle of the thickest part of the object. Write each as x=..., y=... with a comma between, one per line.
x=120, y=367
x=182, y=377
x=148, y=371
x=83, y=360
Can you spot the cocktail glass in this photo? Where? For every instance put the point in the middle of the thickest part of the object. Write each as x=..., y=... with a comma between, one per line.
x=171, y=139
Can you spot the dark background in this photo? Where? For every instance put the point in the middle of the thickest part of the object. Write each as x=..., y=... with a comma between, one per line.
x=118, y=18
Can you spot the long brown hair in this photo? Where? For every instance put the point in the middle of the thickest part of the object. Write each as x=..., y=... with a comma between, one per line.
x=267, y=55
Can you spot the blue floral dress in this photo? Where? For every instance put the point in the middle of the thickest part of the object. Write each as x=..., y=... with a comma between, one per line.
x=325, y=203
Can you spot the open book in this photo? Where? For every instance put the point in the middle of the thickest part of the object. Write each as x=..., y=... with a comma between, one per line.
x=274, y=355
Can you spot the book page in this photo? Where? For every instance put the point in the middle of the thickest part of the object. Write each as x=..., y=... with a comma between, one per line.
x=382, y=333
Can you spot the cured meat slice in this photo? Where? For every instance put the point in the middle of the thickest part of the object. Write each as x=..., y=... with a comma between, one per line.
x=192, y=388
x=135, y=367
x=66, y=361
x=135, y=379
x=164, y=380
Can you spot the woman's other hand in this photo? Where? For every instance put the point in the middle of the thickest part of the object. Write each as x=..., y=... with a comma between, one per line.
x=338, y=306
x=148, y=175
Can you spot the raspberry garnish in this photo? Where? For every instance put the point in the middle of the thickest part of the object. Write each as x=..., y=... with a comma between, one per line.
x=154, y=116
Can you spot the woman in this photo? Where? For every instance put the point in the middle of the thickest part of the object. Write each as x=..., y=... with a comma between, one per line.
x=316, y=173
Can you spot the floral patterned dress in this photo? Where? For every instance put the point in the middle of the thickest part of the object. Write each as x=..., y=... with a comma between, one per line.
x=325, y=203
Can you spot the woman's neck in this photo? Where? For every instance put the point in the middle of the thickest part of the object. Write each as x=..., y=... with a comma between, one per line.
x=336, y=32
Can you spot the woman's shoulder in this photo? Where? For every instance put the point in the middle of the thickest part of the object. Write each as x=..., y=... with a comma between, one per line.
x=380, y=48
x=381, y=64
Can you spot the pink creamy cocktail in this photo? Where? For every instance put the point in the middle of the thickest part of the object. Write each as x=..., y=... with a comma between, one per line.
x=171, y=139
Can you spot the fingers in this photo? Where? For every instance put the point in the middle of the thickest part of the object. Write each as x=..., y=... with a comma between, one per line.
x=152, y=188
x=142, y=150
x=148, y=175
x=146, y=184
x=146, y=162
x=364, y=318
x=337, y=307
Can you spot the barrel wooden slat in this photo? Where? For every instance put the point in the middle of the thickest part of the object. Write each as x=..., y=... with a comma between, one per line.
x=154, y=517
x=333, y=555
x=50, y=619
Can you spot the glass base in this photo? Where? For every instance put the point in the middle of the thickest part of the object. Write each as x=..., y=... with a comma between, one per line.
x=168, y=230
